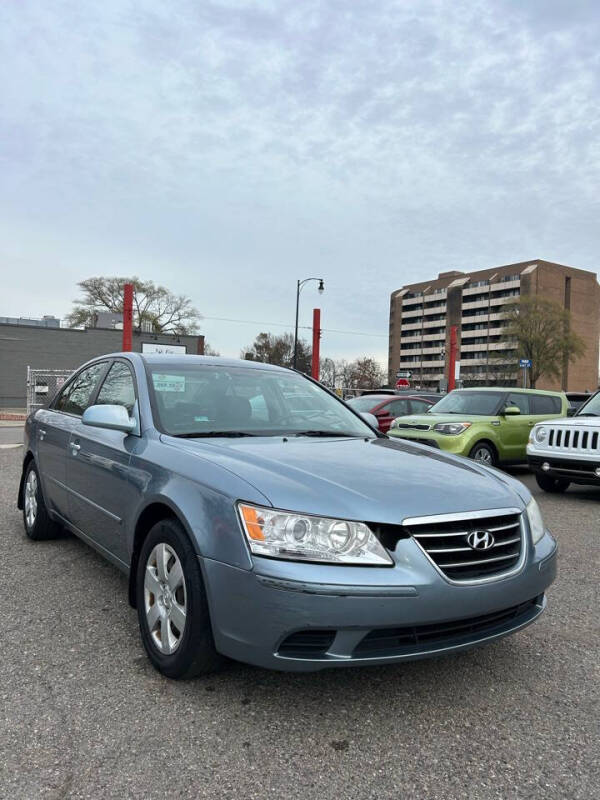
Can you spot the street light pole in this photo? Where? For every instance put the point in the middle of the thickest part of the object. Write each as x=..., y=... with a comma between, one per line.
x=299, y=285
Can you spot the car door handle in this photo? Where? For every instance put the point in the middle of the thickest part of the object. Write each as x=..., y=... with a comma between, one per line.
x=41, y=433
x=75, y=448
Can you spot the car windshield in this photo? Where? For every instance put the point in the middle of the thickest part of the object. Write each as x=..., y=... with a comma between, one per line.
x=591, y=408
x=476, y=403
x=212, y=400
x=365, y=403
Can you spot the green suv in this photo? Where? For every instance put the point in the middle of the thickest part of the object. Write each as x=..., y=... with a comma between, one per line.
x=488, y=425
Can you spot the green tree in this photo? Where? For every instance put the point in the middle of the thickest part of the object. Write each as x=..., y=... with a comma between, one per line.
x=541, y=331
x=155, y=308
x=271, y=349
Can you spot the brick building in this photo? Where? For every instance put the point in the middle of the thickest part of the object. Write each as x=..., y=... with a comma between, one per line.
x=421, y=315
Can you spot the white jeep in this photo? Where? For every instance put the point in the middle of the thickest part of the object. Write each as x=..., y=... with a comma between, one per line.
x=567, y=450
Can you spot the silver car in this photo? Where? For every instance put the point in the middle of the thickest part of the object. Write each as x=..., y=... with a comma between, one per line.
x=259, y=518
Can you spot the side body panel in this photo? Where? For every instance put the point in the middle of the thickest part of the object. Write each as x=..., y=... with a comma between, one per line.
x=100, y=486
x=51, y=432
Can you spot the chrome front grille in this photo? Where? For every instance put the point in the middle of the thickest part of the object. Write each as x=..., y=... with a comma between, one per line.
x=570, y=439
x=445, y=540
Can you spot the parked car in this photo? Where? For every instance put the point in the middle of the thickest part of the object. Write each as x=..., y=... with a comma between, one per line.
x=487, y=425
x=386, y=408
x=566, y=451
x=576, y=400
x=433, y=396
x=296, y=539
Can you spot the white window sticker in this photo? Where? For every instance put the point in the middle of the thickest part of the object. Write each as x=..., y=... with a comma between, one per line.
x=169, y=383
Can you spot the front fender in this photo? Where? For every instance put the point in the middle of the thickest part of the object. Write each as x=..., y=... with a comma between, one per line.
x=480, y=433
x=209, y=518
x=200, y=493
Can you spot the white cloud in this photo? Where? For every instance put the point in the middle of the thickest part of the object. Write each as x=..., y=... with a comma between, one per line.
x=228, y=148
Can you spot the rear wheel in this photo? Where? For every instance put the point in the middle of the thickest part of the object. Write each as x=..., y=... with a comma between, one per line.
x=37, y=522
x=483, y=453
x=172, y=606
x=550, y=484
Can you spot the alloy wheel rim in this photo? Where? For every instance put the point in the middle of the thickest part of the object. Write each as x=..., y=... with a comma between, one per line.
x=165, y=598
x=31, y=499
x=483, y=455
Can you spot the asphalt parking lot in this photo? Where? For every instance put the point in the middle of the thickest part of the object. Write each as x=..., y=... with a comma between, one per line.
x=85, y=715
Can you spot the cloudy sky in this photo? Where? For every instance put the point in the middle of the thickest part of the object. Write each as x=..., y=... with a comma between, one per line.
x=226, y=149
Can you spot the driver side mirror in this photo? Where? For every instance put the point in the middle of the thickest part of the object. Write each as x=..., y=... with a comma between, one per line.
x=115, y=418
x=511, y=411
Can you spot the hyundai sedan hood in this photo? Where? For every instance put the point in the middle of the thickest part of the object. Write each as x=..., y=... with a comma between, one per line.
x=376, y=480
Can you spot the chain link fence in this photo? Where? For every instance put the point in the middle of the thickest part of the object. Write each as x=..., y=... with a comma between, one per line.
x=42, y=385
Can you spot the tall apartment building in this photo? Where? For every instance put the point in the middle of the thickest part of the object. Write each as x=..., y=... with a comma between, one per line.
x=421, y=315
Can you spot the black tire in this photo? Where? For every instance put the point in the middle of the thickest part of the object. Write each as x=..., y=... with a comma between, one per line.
x=38, y=525
x=550, y=484
x=195, y=652
x=484, y=453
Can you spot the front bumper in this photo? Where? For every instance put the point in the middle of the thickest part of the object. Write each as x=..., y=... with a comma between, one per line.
x=303, y=617
x=457, y=445
x=581, y=471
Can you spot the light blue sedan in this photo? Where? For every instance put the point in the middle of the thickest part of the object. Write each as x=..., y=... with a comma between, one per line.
x=260, y=518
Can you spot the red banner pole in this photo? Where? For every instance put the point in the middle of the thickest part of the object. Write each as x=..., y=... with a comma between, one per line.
x=316, y=342
x=127, y=317
x=452, y=364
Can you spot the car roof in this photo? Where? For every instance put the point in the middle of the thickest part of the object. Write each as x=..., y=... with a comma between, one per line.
x=191, y=360
x=387, y=398
x=511, y=389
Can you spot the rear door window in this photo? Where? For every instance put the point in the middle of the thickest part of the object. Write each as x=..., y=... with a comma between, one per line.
x=75, y=397
x=398, y=408
x=545, y=404
x=419, y=406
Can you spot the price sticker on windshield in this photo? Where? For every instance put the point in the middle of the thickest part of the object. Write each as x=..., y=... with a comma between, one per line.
x=169, y=383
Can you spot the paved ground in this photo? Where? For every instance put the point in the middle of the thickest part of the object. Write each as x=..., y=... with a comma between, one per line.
x=82, y=714
x=11, y=435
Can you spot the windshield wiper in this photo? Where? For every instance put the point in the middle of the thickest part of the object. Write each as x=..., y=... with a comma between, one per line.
x=587, y=414
x=207, y=434
x=328, y=433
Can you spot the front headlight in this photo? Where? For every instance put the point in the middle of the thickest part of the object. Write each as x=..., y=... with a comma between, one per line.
x=451, y=428
x=536, y=523
x=303, y=537
x=540, y=433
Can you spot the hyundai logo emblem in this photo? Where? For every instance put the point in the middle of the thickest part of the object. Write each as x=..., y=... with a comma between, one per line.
x=480, y=540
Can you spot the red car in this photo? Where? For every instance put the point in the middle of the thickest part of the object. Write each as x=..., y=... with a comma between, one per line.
x=387, y=407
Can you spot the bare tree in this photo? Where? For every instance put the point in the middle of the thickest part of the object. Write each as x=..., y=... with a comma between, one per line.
x=271, y=349
x=540, y=330
x=328, y=372
x=154, y=307
x=366, y=373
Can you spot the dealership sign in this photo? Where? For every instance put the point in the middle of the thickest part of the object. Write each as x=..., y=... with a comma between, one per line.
x=164, y=349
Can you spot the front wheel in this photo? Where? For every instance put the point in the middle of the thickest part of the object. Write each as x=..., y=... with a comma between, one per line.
x=483, y=453
x=172, y=607
x=550, y=484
